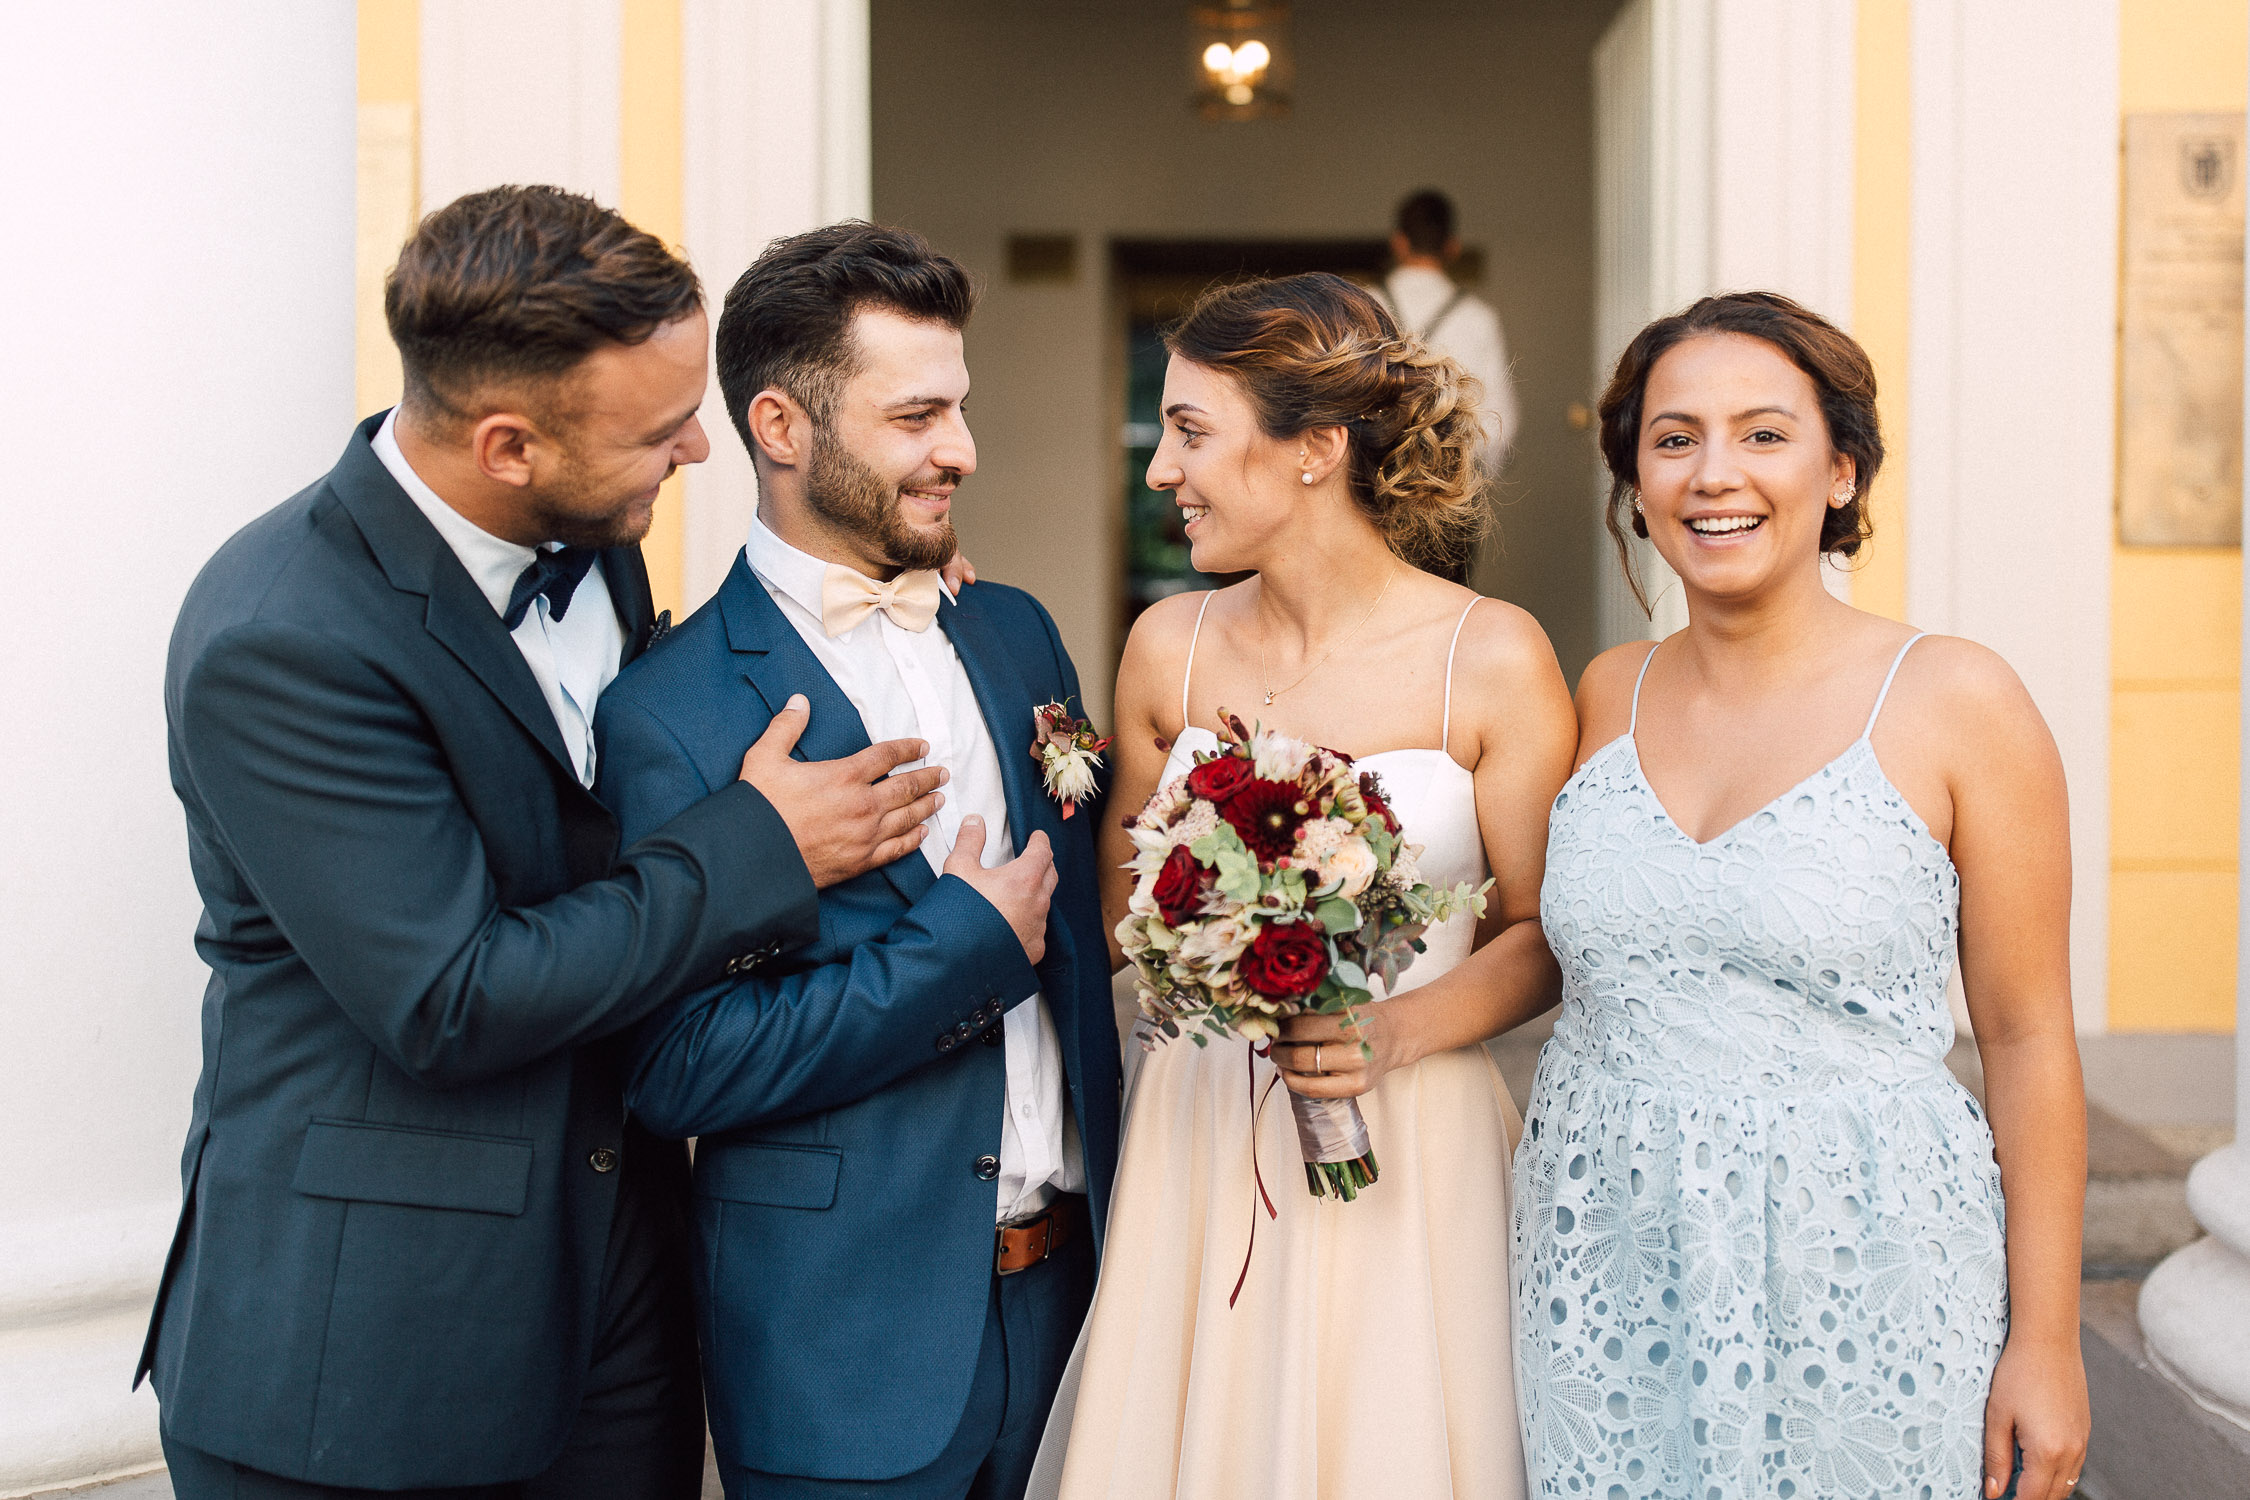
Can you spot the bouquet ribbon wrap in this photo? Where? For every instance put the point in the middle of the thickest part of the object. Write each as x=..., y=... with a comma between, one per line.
x=1330, y=1130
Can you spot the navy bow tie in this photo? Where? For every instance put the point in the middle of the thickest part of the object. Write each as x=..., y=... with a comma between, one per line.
x=555, y=574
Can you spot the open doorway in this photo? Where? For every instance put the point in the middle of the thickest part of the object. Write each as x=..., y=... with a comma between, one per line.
x=1072, y=130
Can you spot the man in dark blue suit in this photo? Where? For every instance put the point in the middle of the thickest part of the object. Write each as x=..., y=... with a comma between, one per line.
x=893, y=1253
x=422, y=1247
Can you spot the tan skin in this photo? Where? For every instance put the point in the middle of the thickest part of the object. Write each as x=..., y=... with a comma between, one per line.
x=900, y=413
x=1771, y=680
x=1320, y=565
x=580, y=458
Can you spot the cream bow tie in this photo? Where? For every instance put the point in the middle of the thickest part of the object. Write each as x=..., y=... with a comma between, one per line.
x=848, y=597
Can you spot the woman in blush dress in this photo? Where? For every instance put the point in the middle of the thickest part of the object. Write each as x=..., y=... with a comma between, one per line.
x=1765, y=1244
x=1367, y=1354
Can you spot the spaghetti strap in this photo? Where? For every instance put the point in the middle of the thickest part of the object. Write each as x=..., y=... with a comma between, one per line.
x=1896, y=662
x=1189, y=675
x=1445, y=734
x=1635, y=721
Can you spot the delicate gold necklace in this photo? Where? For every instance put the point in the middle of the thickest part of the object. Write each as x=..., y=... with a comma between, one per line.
x=1275, y=692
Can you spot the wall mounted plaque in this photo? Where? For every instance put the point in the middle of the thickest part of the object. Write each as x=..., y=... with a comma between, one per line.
x=2179, y=451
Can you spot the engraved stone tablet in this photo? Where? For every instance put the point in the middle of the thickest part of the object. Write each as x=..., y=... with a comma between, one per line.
x=2180, y=435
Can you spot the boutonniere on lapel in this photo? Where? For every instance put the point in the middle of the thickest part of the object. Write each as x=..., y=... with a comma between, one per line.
x=1068, y=752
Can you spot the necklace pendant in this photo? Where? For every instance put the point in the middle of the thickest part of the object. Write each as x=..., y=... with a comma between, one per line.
x=1269, y=699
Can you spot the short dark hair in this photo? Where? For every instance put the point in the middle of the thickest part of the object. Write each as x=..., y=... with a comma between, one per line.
x=787, y=323
x=1426, y=220
x=516, y=283
x=1842, y=375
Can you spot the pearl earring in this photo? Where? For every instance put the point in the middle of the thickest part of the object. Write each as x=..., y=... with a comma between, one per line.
x=1306, y=476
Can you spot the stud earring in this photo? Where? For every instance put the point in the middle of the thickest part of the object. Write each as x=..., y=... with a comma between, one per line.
x=1306, y=477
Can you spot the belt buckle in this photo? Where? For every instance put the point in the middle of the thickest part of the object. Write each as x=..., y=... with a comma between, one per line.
x=1044, y=1221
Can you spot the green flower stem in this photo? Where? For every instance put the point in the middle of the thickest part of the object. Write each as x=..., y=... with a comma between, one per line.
x=1341, y=1179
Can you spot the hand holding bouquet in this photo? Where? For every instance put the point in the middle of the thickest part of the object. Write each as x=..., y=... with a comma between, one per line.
x=1271, y=880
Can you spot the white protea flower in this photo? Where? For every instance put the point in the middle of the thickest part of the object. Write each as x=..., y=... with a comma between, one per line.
x=1279, y=758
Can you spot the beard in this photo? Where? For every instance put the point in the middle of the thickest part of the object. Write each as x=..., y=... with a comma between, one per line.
x=853, y=498
x=577, y=510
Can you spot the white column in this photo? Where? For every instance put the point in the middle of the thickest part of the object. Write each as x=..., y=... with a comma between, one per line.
x=1723, y=157
x=179, y=359
x=778, y=141
x=2011, y=395
x=2195, y=1307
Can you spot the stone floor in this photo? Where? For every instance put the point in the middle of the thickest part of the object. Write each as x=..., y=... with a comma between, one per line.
x=2154, y=1105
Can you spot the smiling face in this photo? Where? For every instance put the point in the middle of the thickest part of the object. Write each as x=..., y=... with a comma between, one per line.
x=1736, y=467
x=621, y=422
x=882, y=471
x=1236, y=488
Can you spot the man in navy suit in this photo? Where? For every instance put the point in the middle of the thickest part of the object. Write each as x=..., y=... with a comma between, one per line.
x=422, y=1248
x=893, y=1253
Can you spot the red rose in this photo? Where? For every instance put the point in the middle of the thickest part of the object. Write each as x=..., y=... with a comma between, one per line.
x=1286, y=960
x=1220, y=778
x=1179, y=886
x=1268, y=815
x=1371, y=792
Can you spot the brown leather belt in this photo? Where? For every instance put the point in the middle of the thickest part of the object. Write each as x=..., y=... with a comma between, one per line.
x=1019, y=1247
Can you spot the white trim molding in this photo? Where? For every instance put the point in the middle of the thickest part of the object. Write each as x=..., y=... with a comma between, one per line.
x=778, y=141
x=2011, y=380
x=520, y=91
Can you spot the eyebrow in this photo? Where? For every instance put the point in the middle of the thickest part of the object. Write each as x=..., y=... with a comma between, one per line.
x=1740, y=416
x=1179, y=406
x=906, y=402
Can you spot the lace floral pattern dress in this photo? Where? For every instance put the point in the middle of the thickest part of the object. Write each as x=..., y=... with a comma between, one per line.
x=1758, y=1227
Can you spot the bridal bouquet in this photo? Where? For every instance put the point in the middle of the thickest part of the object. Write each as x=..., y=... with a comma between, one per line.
x=1271, y=880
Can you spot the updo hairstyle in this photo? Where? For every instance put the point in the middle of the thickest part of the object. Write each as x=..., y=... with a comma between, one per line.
x=1316, y=351
x=1841, y=373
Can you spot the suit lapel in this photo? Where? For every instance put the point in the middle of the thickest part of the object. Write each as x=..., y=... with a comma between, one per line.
x=626, y=574
x=1007, y=704
x=776, y=662
x=416, y=560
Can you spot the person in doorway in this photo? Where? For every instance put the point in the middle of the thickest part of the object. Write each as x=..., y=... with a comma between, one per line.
x=1353, y=1350
x=1766, y=1246
x=1423, y=296
x=907, y=1127
x=423, y=1249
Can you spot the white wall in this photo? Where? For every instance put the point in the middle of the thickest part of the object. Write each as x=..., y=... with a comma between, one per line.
x=179, y=359
x=2011, y=380
x=519, y=91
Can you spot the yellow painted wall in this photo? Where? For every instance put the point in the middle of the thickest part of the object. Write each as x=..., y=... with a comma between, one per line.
x=1882, y=219
x=649, y=191
x=650, y=176
x=2175, y=652
x=389, y=85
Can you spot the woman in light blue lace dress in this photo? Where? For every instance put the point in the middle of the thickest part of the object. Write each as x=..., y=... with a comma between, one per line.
x=1765, y=1245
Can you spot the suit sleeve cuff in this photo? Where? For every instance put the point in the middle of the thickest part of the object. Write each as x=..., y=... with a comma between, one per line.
x=987, y=944
x=759, y=890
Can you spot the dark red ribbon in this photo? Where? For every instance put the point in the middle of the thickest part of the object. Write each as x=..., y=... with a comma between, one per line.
x=1257, y=1108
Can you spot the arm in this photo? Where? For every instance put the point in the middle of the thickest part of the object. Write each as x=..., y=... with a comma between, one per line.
x=1522, y=735
x=2011, y=844
x=764, y=1048
x=340, y=810
x=1148, y=681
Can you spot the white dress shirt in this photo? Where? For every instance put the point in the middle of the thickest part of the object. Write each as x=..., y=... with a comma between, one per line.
x=911, y=685
x=1471, y=334
x=573, y=658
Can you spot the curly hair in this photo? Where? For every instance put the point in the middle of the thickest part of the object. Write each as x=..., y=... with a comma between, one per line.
x=1842, y=375
x=1316, y=351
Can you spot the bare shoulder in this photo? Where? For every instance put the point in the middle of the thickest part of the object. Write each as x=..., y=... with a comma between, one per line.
x=1605, y=689
x=1502, y=643
x=1966, y=695
x=1154, y=662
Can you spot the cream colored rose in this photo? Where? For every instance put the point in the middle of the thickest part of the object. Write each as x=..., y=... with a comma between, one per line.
x=1347, y=870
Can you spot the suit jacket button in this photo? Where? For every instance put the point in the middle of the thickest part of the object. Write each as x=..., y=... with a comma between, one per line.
x=964, y=1031
x=992, y=1038
x=945, y=1041
x=988, y=1167
x=603, y=1159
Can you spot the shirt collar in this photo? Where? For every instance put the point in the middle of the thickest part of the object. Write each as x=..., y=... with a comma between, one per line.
x=493, y=563
x=795, y=573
